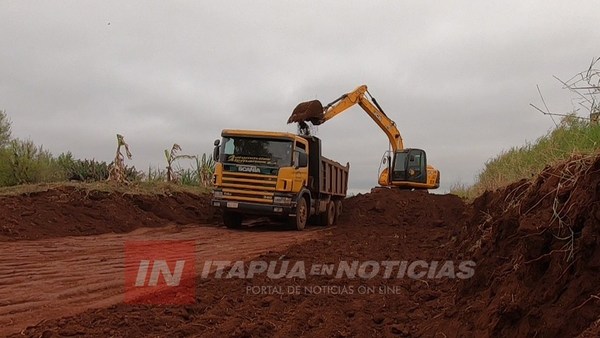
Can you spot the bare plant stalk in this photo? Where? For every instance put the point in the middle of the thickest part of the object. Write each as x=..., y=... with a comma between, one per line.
x=117, y=168
x=171, y=157
x=206, y=169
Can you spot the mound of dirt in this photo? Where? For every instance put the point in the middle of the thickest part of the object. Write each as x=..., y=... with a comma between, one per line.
x=370, y=230
x=402, y=208
x=69, y=211
x=536, y=244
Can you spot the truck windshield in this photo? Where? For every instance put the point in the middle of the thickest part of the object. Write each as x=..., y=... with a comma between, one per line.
x=257, y=151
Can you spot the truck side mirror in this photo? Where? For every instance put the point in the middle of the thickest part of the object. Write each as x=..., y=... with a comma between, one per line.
x=216, y=150
x=302, y=160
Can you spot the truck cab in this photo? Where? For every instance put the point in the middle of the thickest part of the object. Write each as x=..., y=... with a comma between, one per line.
x=274, y=174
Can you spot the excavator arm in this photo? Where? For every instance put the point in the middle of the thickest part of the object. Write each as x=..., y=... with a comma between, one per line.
x=363, y=98
x=316, y=113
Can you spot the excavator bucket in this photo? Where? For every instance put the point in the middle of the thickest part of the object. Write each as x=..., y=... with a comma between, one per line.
x=311, y=111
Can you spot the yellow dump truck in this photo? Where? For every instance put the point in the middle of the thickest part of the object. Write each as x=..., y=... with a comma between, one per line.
x=276, y=174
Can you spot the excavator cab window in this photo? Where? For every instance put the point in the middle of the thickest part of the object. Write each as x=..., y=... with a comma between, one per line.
x=417, y=167
x=399, y=166
x=410, y=165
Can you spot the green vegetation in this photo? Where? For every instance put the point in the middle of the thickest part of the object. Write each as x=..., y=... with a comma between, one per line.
x=572, y=136
x=139, y=188
x=5, y=130
x=201, y=174
x=24, y=164
x=171, y=157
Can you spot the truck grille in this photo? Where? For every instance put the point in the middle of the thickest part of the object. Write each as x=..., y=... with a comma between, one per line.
x=246, y=187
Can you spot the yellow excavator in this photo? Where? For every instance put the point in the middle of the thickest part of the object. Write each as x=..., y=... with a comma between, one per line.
x=404, y=168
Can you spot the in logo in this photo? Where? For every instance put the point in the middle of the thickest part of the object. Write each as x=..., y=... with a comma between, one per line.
x=160, y=272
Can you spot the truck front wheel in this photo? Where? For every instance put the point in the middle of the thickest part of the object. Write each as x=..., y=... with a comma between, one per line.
x=299, y=221
x=232, y=220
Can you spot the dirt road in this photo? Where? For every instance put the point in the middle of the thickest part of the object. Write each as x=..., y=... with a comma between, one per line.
x=54, y=278
x=372, y=229
x=536, y=245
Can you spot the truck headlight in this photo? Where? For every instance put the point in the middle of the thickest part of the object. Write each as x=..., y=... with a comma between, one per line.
x=282, y=200
x=218, y=194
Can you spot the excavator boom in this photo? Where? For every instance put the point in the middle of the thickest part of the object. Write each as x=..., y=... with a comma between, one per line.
x=414, y=176
x=315, y=113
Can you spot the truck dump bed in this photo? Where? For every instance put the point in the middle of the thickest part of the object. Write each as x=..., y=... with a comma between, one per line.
x=334, y=177
x=326, y=177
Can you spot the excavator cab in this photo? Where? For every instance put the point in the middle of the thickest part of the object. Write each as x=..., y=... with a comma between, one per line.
x=409, y=170
x=409, y=165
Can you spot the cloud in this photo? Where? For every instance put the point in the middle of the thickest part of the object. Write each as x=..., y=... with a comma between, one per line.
x=457, y=77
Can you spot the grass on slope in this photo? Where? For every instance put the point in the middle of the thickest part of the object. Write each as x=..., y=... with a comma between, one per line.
x=572, y=136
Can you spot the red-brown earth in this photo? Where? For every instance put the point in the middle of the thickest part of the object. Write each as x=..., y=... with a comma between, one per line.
x=534, y=243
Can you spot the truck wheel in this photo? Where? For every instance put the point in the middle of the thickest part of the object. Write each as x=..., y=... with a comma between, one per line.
x=338, y=210
x=299, y=222
x=232, y=220
x=328, y=217
x=330, y=213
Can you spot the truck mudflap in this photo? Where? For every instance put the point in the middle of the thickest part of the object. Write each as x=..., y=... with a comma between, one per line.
x=255, y=208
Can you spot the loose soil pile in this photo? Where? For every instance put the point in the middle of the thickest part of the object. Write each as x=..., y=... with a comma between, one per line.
x=224, y=308
x=537, y=248
x=536, y=245
x=70, y=211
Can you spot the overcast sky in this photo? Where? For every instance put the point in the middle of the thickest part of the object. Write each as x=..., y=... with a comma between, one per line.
x=456, y=76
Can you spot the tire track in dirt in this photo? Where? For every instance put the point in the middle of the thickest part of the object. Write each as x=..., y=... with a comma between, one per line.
x=52, y=278
x=383, y=226
x=536, y=245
